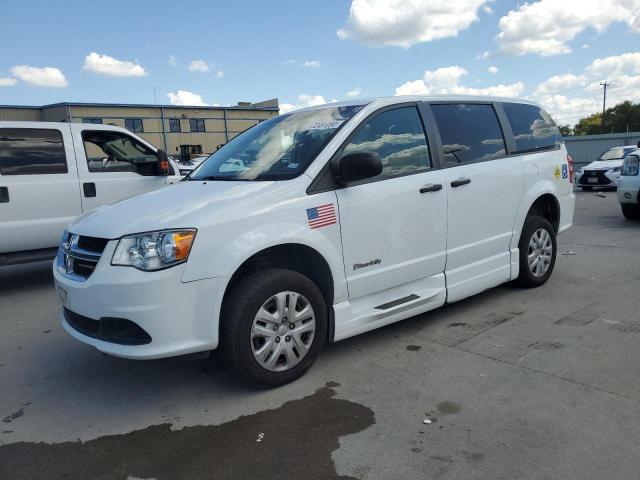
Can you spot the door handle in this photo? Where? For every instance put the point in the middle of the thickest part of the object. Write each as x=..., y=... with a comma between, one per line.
x=4, y=195
x=460, y=182
x=89, y=189
x=431, y=188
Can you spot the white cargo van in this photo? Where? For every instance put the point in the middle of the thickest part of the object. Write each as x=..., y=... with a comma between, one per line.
x=52, y=172
x=319, y=225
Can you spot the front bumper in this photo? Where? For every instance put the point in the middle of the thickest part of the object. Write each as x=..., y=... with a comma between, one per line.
x=180, y=317
x=597, y=178
x=629, y=189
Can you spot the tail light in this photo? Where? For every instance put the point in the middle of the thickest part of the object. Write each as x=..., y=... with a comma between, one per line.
x=570, y=163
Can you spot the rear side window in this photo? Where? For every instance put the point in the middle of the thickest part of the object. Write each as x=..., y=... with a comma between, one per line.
x=31, y=151
x=469, y=133
x=397, y=137
x=532, y=127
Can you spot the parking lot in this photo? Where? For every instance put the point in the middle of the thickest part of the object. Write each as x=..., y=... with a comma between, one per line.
x=540, y=383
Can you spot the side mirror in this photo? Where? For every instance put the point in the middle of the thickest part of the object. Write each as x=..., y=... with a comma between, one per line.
x=163, y=162
x=357, y=166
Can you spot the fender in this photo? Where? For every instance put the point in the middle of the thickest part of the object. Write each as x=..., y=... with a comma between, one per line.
x=226, y=246
x=535, y=191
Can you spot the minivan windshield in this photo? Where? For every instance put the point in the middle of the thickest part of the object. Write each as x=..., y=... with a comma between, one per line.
x=616, y=153
x=278, y=149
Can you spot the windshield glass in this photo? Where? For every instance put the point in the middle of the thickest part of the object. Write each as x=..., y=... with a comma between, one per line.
x=278, y=149
x=615, y=153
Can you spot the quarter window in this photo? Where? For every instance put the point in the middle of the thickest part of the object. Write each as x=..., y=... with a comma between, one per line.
x=469, y=133
x=196, y=124
x=398, y=138
x=31, y=151
x=108, y=151
x=533, y=128
x=133, y=125
x=174, y=125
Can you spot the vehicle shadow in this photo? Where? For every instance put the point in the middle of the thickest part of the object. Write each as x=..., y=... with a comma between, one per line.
x=26, y=276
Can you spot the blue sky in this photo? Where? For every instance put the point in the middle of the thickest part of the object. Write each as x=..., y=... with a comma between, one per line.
x=255, y=50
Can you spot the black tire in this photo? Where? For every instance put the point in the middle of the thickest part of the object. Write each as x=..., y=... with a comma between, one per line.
x=587, y=189
x=630, y=212
x=240, y=308
x=532, y=224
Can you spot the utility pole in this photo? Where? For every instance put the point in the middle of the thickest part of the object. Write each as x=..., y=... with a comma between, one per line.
x=604, y=103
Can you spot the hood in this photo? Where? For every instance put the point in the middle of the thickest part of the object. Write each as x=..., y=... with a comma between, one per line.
x=189, y=204
x=604, y=164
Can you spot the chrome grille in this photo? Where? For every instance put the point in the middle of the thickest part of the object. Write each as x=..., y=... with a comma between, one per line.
x=79, y=255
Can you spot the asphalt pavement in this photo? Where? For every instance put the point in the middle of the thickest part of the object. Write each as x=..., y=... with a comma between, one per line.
x=540, y=384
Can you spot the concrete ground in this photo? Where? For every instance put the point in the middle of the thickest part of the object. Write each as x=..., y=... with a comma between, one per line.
x=540, y=383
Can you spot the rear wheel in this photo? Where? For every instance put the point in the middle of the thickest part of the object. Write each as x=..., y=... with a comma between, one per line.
x=587, y=189
x=537, y=251
x=630, y=212
x=274, y=325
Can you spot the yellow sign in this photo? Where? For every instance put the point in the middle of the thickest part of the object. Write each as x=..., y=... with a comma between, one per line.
x=557, y=172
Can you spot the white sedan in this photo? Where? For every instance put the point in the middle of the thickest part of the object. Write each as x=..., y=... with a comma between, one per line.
x=605, y=171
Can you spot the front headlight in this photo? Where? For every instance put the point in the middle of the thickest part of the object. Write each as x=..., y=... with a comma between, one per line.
x=616, y=169
x=154, y=250
x=631, y=165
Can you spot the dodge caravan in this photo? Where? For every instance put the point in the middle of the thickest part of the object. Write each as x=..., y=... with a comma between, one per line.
x=318, y=225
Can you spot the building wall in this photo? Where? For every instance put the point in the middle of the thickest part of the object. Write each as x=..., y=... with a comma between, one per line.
x=221, y=123
x=21, y=114
x=217, y=130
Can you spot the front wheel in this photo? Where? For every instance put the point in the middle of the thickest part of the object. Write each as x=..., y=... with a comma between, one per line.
x=537, y=252
x=630, y=212
x=274, y=325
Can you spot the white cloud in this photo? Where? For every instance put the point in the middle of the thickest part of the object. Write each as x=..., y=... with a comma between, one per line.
x=106, y=65
x=403, y=23
x=198, y=66
x=447, y=80
x=487, y=9
x=219, y=73
x=39, y=76
x=356, y=92
x=492, y=69
x=585, y=46
x=304, y=101
x=172, y=61
x=312, y=64
x=7, y=82
x=185, y=97
x=483, y=56
x=291, y=61
x=545, y=27
x=585, y=98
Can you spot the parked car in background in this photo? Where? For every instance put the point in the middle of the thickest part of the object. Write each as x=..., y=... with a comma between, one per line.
x=605, y=171
x=186, y=167
x=51, y=173
x=321, y=224
x=629, y=186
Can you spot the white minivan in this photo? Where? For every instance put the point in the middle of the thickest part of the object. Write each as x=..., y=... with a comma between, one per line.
x=51, y=172
x=318, y=225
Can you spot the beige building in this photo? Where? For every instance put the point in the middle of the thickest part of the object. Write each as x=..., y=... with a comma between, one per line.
x=181, y=131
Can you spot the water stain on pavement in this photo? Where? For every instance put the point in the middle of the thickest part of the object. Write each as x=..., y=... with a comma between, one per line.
x=297, y=441
x=413, y=348
x=448, y=408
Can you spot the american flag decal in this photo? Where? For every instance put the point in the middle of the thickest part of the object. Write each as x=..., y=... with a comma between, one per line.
x=321, y=216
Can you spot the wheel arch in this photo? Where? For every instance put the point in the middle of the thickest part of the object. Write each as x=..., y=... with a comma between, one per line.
x=542, y=201
x=298, y=257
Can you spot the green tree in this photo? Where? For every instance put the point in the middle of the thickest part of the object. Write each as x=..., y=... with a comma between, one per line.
x=565, y=130
x=620, y=118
